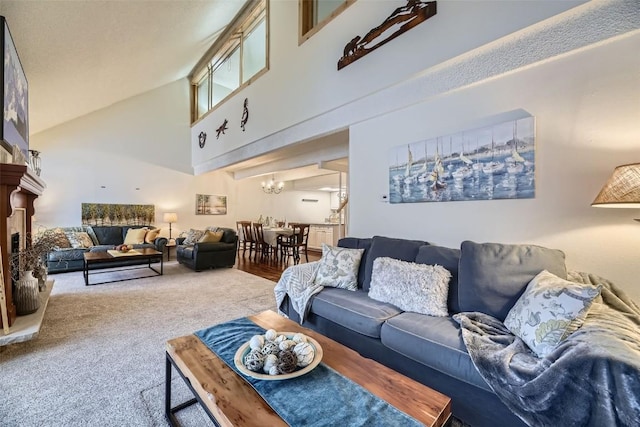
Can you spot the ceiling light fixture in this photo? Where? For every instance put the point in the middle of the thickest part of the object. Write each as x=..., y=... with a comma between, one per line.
x=271, y=187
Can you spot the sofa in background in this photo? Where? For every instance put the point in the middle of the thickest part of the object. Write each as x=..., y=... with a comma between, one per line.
x=100, y=239
x=214, y=247
x=484, y=278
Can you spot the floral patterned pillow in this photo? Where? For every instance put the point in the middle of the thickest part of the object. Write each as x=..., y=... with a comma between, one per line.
x=339, y=267
x=550, y=310
x=193, y=236
x=79, y=239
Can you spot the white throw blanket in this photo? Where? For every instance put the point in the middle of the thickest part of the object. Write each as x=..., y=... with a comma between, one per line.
x=298, y=282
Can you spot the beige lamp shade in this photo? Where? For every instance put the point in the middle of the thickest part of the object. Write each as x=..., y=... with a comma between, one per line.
x=170, y=217
x=622, y=190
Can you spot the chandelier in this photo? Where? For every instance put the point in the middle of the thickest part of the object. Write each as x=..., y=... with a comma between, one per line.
x=271, y=187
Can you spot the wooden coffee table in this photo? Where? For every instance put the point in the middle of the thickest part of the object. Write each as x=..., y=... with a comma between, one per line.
x=99, y=260
x=229, y=400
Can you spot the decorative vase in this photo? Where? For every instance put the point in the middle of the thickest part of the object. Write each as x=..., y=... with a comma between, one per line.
x=35, y=161
x=27, y=294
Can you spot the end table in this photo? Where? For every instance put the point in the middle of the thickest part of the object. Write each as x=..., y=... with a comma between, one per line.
x=169, y=245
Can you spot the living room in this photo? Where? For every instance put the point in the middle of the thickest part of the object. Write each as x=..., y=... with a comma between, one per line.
x=570, y=65
x=141, y=135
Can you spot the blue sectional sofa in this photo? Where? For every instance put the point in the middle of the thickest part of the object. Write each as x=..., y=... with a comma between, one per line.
x=103, y=238
x=426, y=348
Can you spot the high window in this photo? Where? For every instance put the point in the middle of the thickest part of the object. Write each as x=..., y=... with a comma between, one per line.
x=238, y=57
x=315, y=14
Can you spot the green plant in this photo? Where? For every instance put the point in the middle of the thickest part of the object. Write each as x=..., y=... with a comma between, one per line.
x=33, y=257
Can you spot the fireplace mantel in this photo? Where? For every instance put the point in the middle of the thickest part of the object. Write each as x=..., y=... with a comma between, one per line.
x=19, y=187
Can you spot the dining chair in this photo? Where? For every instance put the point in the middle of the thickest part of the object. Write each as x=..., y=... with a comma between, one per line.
x=247, y=237
x=291, y=245
x=262, y=247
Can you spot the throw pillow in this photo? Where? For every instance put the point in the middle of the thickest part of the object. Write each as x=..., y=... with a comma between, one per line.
x=152, y=235
x=211, y=237
x=80, y=239
x=135, y=236
x=492, y=276
x=193, y=236
x=420, y=288
x=550, y=310
x=61, y=239
x=403, y=249
x=339, y=267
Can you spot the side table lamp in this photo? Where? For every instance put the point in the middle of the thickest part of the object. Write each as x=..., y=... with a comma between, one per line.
x=170, y=217
x=622, y=190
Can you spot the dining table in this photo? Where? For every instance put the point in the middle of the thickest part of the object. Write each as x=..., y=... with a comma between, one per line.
x=271, y=234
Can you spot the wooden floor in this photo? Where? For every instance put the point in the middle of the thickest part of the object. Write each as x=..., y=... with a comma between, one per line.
x=269, y=268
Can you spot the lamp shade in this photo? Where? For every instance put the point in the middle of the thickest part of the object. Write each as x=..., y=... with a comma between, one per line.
x=622, y=190
x=170, y=217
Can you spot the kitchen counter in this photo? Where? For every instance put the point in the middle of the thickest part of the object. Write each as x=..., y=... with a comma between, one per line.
x=327, y=232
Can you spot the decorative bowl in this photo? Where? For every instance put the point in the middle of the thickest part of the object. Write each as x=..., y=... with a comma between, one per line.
x=244, y=349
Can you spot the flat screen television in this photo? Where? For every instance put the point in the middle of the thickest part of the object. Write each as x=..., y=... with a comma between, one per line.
x=15, y=118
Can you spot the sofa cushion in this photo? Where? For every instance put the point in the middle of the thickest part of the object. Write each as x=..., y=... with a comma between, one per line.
x=79, y=239
x=193, y=236
x=449, y=259
x=432, y=341
x=230, y=235
x=353, y=310
x=492, y=276
x=339, y=267
x=356, y=243
x=135, y=236
x=60, y=237
x=66, y=254
x=402, y=249
x=549, y=310
x=151, y=235
x=108, y=235
x=419, y=288
x=211, y=236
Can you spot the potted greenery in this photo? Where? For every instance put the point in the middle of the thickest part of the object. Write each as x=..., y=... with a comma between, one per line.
x=28, y=268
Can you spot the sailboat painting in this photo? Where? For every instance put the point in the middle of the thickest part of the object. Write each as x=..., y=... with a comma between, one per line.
x=495, y=162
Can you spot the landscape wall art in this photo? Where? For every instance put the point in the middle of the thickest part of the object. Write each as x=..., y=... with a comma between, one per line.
x=494, y=162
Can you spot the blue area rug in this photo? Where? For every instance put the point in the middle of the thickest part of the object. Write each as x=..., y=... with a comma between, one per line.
x=319, y=398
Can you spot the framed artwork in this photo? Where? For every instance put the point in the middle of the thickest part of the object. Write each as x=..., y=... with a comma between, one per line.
x=117, y=214
x=208, y=204
x=495, y=162
x=15, y=119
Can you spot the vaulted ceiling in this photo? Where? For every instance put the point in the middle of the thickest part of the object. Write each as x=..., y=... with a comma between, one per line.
x=81, y=56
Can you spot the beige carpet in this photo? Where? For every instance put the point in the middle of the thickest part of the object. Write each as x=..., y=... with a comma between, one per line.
x=99, y=358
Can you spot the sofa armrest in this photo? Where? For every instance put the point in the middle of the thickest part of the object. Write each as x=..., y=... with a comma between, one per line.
x=160, y=243
x=179, y=240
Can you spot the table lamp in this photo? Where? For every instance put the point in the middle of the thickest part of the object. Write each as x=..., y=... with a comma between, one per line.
x=622, y=190
x=170, y=217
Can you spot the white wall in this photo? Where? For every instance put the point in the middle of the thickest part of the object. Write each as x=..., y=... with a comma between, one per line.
x=473, y=64
x=142, y=142
x=587, y=109
x=252, y=202
x=303, y=81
